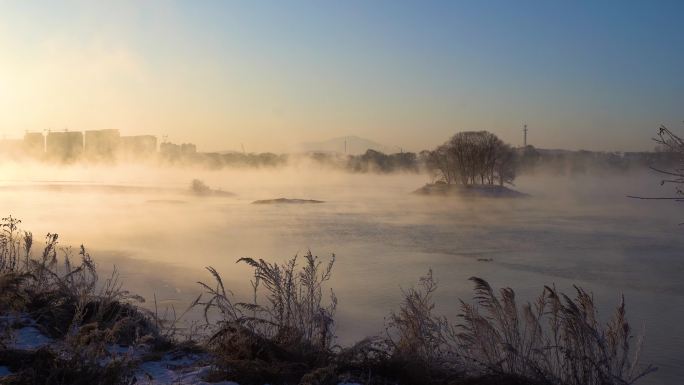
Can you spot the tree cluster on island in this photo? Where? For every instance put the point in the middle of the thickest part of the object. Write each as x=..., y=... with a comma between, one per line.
x=473, y=158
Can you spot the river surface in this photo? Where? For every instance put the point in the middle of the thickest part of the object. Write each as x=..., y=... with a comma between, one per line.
x=571, y=230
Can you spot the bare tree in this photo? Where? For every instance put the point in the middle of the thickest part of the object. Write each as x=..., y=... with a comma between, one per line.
x=443, y=165
x=505, y=165
x=669, y=142
x=473, y=157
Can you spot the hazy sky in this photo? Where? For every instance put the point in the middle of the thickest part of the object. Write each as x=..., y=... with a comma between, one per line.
x=595, y=74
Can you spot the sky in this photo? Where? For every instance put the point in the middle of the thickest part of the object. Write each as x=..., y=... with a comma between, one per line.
x=600, y=75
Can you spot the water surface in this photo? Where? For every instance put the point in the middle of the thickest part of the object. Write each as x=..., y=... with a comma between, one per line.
x=573, y=230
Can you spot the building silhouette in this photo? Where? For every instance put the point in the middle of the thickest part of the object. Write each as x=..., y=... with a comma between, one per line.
x=188, y=149
x=169, y=150
x=97, y=145
x=33, y=145
x=101, y=145
x=64, y=146
x=173, y=152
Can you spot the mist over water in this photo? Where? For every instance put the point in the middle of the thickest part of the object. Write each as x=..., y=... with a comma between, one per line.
x=572, y=230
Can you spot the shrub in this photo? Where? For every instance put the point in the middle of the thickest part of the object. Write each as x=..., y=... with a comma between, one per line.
x=283, y=338
x=66, y=302
x=556, y=340
x=418, y=335
x=200, y=188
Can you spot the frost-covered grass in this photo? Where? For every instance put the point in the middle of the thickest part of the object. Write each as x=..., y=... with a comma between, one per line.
x=61, y=324
x=58, y=319
x=558, y=339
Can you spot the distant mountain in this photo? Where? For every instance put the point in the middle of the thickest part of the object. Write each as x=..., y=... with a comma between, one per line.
x=354, y=146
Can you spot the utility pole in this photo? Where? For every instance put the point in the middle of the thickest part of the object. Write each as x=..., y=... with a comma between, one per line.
x=525, y=136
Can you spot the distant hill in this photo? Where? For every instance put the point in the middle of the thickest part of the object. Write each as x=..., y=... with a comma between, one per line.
x=355, y=145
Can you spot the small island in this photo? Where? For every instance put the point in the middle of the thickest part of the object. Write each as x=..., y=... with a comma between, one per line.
x=472, y=164
x=470, y=191
x=199, y=188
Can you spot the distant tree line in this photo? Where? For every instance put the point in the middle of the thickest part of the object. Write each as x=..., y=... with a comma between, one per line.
x=370, y=161
x=377, y=161
x=470, y=157
x=215, y=160
x=467, y=158
x=566, y=162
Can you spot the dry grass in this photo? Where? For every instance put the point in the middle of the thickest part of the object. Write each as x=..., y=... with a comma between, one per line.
x=68, y=303
x=284, y=337
x=555, y=340
x=285, y=333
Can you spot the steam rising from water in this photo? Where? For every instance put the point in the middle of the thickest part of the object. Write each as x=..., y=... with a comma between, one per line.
x=572, y=230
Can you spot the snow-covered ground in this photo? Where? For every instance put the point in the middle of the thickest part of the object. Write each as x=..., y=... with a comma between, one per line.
x=26, y=337
x=4, y=371
x=179, y=368
x=29, y=338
